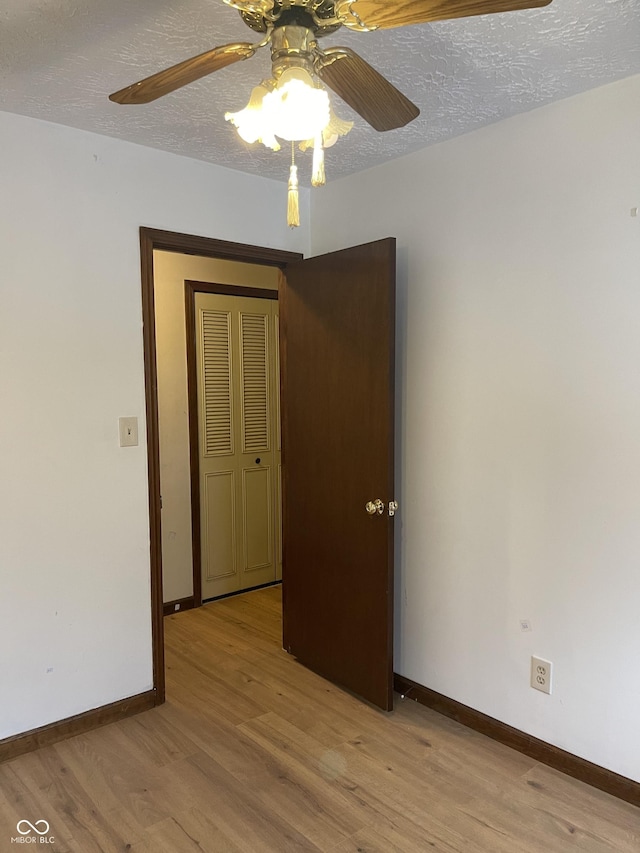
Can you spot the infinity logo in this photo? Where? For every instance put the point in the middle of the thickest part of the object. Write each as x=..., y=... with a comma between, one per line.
x=33, y=827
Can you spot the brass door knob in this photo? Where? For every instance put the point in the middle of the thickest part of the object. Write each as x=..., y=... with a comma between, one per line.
x=373, y=507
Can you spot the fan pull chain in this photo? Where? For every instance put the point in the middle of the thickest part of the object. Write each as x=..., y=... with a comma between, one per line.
x=318, y=178
x=293, y=209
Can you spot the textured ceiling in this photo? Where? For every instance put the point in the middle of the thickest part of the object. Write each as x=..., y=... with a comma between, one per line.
x=59, y=59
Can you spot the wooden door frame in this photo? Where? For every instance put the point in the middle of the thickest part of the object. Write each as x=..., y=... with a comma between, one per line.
x=186, y=244
x=190, y=290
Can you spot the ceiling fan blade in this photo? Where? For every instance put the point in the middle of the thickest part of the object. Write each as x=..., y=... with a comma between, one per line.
x=183, y=73
x=365, y=90
x=385, y=14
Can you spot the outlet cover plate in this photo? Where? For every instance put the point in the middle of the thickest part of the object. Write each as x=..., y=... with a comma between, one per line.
x=541, y=674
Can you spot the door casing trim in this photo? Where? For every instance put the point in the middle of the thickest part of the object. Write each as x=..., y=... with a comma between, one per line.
x=187, y=244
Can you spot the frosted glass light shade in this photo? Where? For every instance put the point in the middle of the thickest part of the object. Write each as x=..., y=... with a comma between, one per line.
x=294, y=109
x=250, y=122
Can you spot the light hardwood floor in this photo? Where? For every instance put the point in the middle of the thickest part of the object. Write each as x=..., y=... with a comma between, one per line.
x=252, y=752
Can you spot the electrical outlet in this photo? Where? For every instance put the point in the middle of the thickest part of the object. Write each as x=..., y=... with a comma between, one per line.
x=541, y=672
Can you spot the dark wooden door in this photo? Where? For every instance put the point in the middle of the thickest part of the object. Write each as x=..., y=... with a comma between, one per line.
x=337, y=346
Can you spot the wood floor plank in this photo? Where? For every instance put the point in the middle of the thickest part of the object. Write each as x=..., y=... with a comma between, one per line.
x=190, y=831
x=387, y=838
x=435, y=804
x=595, y=812
x=254, y=753
x=75, y=816
x=20, y=802
x=328, y=814
x=200, y=688
x=142, y=791
x=280, y=786
x=157, y=740
x=10, y=817
x=542, y=829
x=238, y=811
x=392, y=795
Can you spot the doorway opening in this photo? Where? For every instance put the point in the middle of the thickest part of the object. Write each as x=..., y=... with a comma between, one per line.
x=182, y=244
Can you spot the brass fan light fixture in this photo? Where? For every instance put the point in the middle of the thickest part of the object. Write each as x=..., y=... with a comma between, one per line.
x=293, y=104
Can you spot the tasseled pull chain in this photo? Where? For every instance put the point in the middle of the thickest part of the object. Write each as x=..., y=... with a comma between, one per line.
x=318, y=178
x=293, y=210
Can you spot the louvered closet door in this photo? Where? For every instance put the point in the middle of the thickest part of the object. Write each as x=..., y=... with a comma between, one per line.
x=237, y=412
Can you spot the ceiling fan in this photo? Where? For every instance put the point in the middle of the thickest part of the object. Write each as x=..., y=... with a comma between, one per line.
x=293, y=28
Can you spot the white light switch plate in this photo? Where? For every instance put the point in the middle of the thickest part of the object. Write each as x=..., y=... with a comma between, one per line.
x=128, y=428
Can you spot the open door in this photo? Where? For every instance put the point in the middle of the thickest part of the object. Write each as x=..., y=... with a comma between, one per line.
x=337, y=345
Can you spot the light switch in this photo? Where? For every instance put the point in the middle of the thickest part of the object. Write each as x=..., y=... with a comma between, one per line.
x=128, y=432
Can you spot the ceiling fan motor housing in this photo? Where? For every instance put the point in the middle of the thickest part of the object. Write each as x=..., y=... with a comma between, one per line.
x=296, y=14
x=292, y=46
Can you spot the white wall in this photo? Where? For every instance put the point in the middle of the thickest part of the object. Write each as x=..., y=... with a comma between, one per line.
x=74, y=542
x=519, y=412
x=170, y=272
